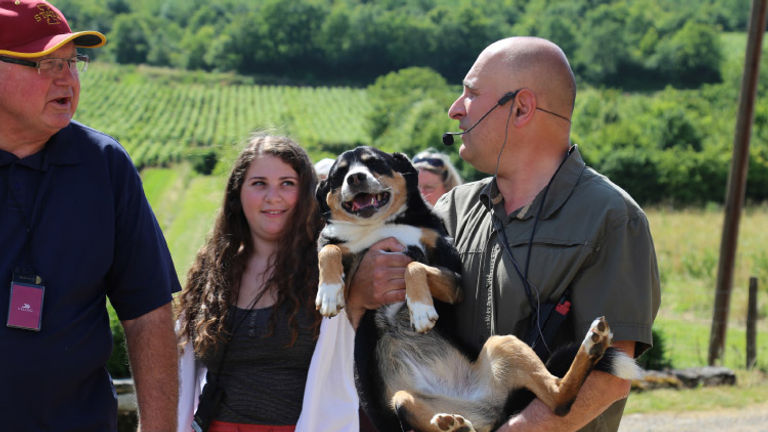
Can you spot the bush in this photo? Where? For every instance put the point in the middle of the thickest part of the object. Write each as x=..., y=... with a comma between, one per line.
x=656, y=357
x=203, y=160
x=635, y=171
x=117, y=365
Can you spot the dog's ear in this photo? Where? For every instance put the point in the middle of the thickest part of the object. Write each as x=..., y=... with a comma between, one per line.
x=402, y=164
x=321, y=192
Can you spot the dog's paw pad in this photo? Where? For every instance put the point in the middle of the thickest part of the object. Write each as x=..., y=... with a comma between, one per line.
x=598, y=339
x=423, y=316
x=330, y=299
x=452, y=423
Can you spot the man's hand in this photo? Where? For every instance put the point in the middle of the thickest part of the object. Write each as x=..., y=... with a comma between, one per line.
x=379, y=280
x=153, y=353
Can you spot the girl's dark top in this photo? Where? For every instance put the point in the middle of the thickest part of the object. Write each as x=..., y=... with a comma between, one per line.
x=263, y=379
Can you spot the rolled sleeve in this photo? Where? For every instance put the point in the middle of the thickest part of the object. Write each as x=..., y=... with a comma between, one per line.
x=622, y=283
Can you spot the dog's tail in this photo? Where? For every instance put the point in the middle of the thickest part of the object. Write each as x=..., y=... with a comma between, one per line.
x=616, y=362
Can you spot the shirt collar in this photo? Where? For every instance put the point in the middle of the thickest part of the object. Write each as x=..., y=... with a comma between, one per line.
x=61, y=149
x=57, y=151
x=561, y=186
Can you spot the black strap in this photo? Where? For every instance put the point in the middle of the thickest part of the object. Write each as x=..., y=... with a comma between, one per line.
x=212, y=394
x=24, y=264
x=543, y=322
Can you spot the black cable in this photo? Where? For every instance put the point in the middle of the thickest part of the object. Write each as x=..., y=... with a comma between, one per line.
x=535, y=305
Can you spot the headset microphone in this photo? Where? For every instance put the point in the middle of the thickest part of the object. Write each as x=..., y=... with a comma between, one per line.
x=448, y=136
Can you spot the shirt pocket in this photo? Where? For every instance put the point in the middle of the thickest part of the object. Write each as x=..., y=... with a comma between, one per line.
x=554, y=263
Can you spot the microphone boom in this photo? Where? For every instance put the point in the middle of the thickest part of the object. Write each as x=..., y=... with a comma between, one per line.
x=448, y=136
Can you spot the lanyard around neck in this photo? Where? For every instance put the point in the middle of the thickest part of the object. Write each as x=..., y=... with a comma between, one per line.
x=30, y=220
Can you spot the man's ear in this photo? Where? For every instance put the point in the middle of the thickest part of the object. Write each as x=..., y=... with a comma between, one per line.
x=523, y=107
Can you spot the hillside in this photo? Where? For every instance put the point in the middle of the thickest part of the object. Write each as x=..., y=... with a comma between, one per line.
x=163, y=116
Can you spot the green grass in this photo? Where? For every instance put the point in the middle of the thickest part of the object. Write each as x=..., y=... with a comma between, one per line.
x=194, y=220
x=165, y=189
x=687, y=246
x=687, y=343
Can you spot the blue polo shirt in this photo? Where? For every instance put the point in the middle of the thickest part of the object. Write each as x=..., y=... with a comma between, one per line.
x=92, y=236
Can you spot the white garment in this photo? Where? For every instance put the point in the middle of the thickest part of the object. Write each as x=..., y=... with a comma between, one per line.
x=191, y=381
x=330, y=397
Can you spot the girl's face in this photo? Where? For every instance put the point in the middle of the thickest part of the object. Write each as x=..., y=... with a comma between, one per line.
x=268, y=197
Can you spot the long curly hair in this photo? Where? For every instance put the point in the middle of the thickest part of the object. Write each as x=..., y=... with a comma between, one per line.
x=213, y=281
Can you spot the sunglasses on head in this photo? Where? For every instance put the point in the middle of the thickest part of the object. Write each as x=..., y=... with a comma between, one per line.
x=435, y=162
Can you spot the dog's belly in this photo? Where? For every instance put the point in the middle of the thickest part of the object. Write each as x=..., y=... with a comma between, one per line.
x=425, y=364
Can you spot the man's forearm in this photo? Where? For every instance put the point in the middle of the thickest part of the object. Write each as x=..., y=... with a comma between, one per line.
x=598, y=392
x=153, y=353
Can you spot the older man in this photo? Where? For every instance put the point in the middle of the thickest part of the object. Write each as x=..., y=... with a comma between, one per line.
x=543, y=229
x=75, y=229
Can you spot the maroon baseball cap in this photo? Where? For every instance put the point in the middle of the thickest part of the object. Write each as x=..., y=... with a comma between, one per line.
x=34, y=28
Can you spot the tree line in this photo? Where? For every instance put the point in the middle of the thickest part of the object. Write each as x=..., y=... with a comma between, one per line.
x=658, y=88
x=610, y=42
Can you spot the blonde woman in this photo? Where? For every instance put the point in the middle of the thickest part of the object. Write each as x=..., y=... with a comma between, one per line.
x=436, y=174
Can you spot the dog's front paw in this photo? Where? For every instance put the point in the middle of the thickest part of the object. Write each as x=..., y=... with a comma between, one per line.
x=452, y=423
x=330, y=299
x=423, y=316
x=598, y=339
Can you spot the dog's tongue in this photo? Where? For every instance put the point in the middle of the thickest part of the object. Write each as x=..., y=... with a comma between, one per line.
x=362, y=201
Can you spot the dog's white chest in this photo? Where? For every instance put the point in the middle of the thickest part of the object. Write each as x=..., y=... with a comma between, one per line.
x=358, y=238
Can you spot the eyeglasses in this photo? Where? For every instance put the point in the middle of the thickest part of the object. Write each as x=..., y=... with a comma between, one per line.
x=52, y=67
x=434, y=162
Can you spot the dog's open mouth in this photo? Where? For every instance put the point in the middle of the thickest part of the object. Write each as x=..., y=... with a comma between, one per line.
x=365, y=204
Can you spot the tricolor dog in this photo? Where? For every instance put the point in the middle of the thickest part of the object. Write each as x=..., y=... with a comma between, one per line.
x=408, y=373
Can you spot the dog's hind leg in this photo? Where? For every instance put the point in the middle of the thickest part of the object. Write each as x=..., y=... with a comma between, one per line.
x=419, y=413
x=513, y=364
x=597, y=340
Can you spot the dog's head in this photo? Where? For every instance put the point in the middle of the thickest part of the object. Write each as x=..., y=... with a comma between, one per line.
x=367, y=185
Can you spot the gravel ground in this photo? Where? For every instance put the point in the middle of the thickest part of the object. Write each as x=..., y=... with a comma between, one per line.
x=753, y=418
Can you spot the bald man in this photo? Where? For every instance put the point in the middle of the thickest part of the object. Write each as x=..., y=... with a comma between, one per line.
x=542, y=229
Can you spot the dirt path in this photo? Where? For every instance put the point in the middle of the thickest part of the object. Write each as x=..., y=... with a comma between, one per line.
x=753, y=418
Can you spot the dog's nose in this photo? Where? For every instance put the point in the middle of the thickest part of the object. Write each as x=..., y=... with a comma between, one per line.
x=356, y=178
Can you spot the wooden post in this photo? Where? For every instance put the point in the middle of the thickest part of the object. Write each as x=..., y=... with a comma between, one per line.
x=752, y=324
x=737, y=181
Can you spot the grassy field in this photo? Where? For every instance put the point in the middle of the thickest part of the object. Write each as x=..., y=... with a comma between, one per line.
x=687, y=246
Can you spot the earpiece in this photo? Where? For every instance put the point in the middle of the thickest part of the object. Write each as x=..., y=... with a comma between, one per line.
x=507, y=97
